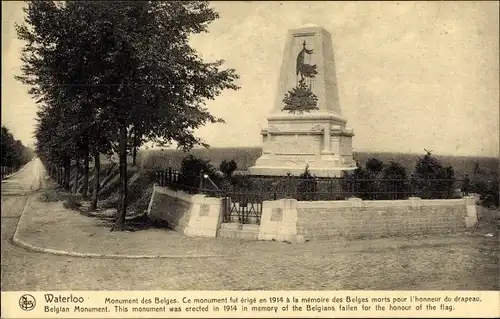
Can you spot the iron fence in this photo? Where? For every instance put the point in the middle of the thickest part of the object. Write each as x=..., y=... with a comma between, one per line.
x=341, y=188
x=244, y=208
x=193, y=184
x=315, y=189
x=244, y=195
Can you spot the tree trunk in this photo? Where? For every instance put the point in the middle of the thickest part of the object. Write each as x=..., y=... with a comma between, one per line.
x=74, y=190
x=74, y=187
x=122, y=208
x=134, y=148
x=67, y=174
x=134, y=156
x=95, y=189
x=85, y=187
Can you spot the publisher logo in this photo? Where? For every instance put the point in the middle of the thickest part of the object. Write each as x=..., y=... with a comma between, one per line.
x=27, y=302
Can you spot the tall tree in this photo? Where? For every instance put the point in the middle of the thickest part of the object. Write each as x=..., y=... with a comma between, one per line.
x=154, y=40
x=14, y=153
x=136, y=65
x=59, y=71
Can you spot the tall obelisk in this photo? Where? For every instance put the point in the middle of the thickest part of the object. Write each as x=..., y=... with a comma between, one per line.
x=306, y=126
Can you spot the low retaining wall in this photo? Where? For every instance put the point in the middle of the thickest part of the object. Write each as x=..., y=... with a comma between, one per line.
x=356, y=218
x=191, y=215
x=297, y=221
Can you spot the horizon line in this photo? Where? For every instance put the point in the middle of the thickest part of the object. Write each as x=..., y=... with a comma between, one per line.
x=354, y=151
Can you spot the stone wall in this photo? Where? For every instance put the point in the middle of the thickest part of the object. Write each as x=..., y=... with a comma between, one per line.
x=356, y=218
x=191, y=215
x=173, y=208
x=297, y=221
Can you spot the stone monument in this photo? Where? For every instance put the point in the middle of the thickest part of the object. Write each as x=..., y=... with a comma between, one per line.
x=306, y=126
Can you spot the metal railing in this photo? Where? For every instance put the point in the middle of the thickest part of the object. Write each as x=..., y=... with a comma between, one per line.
x=372, y=189
x=242, y=207
x=314, y=189
x=244, y=195
x=190, y=183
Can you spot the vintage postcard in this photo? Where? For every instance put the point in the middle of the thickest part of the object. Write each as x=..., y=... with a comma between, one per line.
x=250, y=159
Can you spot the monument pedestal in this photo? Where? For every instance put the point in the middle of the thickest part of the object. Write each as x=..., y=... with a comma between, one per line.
x=291, y=142
x=306, y=128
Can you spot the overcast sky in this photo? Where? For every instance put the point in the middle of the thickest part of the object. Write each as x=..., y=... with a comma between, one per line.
x=411, y=75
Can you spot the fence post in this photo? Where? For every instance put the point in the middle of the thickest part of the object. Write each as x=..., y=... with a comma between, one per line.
x=465, y=185
x=353, y=186
x=295, y=184
x=289, y=185
x=412, y=184
x=200, y=187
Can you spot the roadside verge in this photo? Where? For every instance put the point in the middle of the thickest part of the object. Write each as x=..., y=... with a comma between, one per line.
x=48, y=227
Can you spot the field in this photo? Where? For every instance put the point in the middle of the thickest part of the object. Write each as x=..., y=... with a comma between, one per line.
x=246, y=156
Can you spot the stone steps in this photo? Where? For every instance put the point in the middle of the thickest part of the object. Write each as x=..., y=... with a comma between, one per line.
x=239, y=231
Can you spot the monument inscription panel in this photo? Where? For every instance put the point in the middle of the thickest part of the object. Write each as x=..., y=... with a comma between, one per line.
x=293, y=145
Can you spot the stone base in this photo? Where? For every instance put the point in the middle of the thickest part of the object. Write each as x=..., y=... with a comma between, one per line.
x=319, y=140
x=239, y=231
x=296, y=171
x=327, y=165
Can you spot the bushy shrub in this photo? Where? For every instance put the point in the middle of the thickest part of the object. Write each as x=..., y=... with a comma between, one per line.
x=485, y=182
x=394, y=170
x=377, y=180
x=192, y=169
x=241, y=183
x=432, y=179
x=228, y=168
x=374, y=166
x=487, y=190
x=359, y=183
x=394, y=182
x=306, y=188
x=192, y=165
